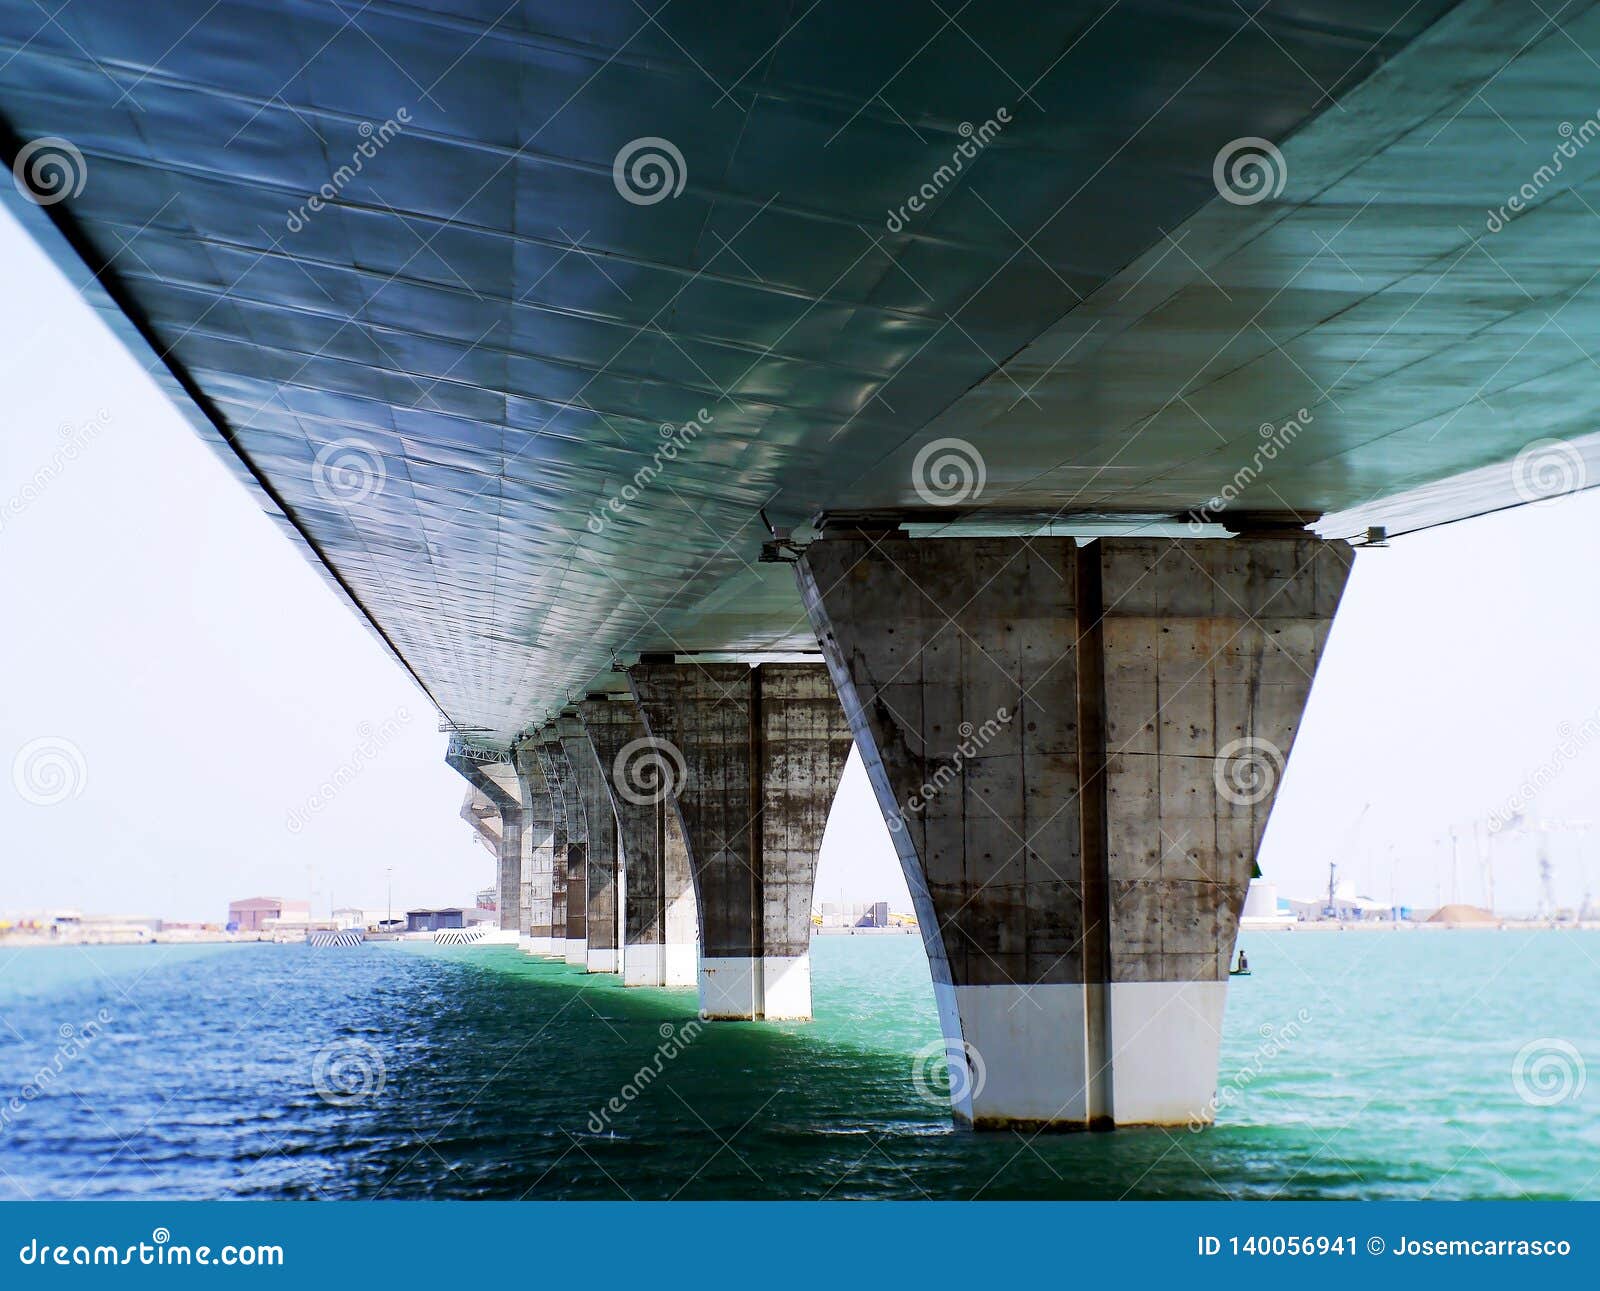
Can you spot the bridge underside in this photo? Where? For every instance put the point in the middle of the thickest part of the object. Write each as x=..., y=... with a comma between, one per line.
x=395, y=241
x=553, y=333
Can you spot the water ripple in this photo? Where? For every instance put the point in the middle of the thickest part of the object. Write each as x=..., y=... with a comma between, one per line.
x=489, y=1074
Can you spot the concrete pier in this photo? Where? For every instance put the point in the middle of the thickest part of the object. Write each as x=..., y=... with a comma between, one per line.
x=538, y=809
x=480, y=813
x=680, y=947
x=558, y=843
x=576, y=949
x=496, y=789
x=756, y=756
x=658, y=908
x=1076, y=750
x=600, y=838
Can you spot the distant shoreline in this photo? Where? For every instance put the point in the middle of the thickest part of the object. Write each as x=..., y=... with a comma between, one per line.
x=179, y=938
x=863, y=932
x=186, y=938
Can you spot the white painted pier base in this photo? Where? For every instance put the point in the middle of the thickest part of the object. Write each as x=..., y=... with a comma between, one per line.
x=540, y=946
x=643, y=965
x=1025, y=1056
x=728, y=988
x=743, y=989
x=601, y=961
x=652, y=964
x=786, y=987
x=1165, y=1040
x=1021, y=1055
x=680, y=964
x=577, y=952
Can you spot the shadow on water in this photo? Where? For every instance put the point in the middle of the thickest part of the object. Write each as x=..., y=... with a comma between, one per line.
x=1353, y=1065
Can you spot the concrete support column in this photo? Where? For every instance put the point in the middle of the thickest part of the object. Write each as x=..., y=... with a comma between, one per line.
x=541, y=741
x=1209, y=653
x=538, y=809
x=755, y=756
x=600, y=837
x=494, y=781
x=1076, y=750
x=658, y=909
x=680, y=958
x=480, y=813
x=576, y=949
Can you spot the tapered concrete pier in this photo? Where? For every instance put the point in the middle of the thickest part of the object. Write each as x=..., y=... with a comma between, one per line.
x=658, y=917
x=1076, y=750
x=558, y=842
x=758, y=752
x=538, y=809
x=572, y=876
x=494, y=781
x=480, y=813
x=600, y=847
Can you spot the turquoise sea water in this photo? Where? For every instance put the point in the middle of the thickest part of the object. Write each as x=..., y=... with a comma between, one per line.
x=1442, y=1064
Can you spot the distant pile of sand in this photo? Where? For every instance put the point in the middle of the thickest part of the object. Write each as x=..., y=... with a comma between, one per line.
x=1461, y=914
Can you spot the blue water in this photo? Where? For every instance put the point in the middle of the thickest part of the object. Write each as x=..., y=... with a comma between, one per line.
x=1354, y=1065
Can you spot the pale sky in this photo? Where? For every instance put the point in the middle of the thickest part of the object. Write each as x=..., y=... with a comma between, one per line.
x=203, y=682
